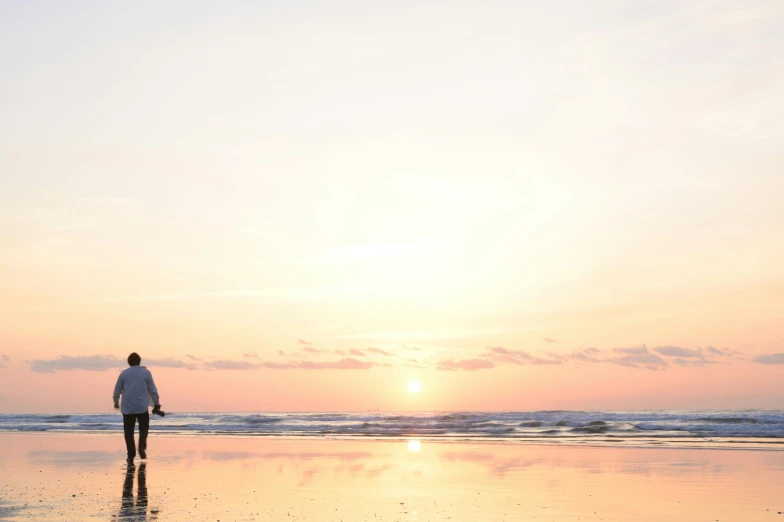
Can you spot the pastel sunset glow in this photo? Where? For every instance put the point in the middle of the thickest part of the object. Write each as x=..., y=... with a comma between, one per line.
x=401, y=206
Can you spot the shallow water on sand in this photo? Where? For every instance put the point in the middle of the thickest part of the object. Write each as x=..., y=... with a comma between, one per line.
x=84, y=477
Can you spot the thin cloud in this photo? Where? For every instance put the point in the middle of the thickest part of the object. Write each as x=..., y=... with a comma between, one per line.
x=277, y=366
x=224, y=364
x=691, y=362
x=251, y=355
x=379, y=351
x=653, y=359
x=192, y=358
x=310, y=349
x=695, y=356
x=168, y=363
x=733, y=353
x=68, y=363
x=421, y=335
x=340, y=352
x=677, y=351
x=519, y=357
x=772, y=358
x=358, y=353
x=589, y=355
x=342, y=364
x=637, y=350
x=3, y=360
x=465, y=364
x=727, y=352
x=98, y=363
x=550, y=340
x=302, y=341
x=638, y=357
x=657, y=358
x=684, y=357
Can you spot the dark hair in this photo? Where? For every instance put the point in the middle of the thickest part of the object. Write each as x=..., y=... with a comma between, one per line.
x=134, y=359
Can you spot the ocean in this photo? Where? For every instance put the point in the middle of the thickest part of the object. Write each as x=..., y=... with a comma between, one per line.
x=546, y=426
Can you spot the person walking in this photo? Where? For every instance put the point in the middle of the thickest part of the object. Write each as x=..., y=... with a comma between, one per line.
x=138, y=392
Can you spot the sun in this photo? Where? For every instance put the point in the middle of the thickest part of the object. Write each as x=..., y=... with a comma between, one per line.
x=414, y=386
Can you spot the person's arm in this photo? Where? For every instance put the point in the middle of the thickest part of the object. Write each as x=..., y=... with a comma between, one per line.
x=153, y=390
x=118, y=388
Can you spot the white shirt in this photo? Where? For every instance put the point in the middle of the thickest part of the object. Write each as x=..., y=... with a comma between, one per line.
x=138, y=390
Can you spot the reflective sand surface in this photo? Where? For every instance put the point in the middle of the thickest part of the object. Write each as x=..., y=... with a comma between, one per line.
x=74, y=477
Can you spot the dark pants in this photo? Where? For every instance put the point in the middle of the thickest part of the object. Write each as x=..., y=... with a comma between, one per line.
x=129, y=422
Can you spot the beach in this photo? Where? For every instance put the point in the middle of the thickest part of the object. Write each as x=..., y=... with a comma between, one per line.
x=83, y=476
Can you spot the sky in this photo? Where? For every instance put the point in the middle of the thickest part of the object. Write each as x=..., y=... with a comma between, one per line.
x=304, y=206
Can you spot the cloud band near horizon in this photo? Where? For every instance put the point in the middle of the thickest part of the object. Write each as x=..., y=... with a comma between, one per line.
x=638, y=357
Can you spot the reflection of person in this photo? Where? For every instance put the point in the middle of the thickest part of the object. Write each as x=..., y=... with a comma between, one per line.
x=130, y=510
x=138, y=392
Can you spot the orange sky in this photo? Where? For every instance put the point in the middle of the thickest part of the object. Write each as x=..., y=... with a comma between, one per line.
x=305, y=209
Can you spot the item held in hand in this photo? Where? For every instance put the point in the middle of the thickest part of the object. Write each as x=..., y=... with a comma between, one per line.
x=158, y=411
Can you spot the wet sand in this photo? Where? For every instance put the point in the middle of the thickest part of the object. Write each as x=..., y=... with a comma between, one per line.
x=45, y=476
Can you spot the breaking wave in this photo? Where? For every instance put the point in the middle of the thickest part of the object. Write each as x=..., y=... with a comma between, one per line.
x=545, y=425
x=729, y=420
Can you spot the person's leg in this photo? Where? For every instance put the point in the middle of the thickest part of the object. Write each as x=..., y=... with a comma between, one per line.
x=144, y=427
x=129, y=421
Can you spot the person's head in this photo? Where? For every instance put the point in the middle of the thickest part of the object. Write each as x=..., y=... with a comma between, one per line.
x=134, y=359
